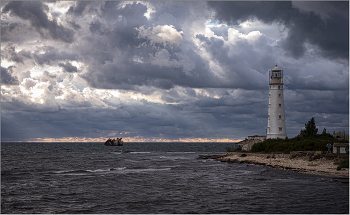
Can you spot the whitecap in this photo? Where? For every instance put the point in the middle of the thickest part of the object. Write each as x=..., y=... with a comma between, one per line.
x=71, y=172
x=118, y=168
x=99, y=170
x=146, y=170
x=181, y=152
x=140, y=152
x=62, y=171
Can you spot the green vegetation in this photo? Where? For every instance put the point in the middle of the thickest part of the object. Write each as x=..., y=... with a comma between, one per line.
x=343, y=164
x=310, y=129
x=307, y=140
x=317, y=143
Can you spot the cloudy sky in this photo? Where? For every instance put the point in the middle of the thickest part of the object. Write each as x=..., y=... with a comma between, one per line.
x=169, y=71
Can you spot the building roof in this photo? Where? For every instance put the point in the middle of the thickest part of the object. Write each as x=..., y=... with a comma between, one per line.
x=276, y=68
x=340, y=144
x=257, y=136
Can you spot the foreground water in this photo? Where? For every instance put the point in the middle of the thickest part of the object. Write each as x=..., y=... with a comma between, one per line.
x=155, y=178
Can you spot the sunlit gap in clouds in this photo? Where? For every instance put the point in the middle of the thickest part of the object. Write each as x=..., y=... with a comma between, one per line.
x=6, y=64
x=35, y=92
x=150, y=9
x=61, y=7
x=37, y=71
x=132, y=139
x=275, y=31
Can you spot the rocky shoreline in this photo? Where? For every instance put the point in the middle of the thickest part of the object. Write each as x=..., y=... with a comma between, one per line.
x=319, y=165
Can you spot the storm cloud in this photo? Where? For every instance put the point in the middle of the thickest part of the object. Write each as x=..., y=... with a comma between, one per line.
x=35, y=13
x=169, y=71
x=7, y=78
x=331, y=36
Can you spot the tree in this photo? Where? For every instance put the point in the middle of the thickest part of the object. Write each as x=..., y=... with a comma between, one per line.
x=310, y=129
x=324, y=132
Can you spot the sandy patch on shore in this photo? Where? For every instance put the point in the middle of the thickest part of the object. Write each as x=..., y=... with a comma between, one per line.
x=320, y=166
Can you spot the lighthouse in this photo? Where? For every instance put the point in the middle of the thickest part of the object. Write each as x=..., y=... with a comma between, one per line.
x=276, y=121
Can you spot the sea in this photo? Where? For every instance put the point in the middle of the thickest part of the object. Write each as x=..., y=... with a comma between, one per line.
x=155, y=178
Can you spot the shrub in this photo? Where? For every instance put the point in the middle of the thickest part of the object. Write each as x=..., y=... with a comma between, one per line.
x=314, y=143
x=343, y=164
x=259, y=147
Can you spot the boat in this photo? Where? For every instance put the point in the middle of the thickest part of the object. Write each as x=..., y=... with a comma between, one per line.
x=114, y=142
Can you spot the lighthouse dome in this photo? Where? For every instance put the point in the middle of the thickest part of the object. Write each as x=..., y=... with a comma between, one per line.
x=276, y=68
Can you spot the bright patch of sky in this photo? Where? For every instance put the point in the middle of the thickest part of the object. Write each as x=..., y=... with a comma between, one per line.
x=150, y=9
x=114, y=93
x=163, y=34
x=154, y=98
x=273, y=31
x=60, y=7
x=76, y=64
x=249, y=29
x=6, y=64
x=37, y=71
x=212, y=23
x=35, y=92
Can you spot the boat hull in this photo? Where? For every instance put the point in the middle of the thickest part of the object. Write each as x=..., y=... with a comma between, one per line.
x=114, y=142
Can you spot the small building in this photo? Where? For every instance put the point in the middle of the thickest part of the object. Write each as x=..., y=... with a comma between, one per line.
x=256, y=137
x=340, y=148
x=248, y=143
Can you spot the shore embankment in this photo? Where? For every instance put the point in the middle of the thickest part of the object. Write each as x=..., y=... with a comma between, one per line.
x=301, y=163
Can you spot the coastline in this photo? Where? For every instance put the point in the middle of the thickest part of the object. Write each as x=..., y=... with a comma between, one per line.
x=300, y=164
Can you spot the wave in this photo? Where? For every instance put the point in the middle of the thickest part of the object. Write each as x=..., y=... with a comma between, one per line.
x=181, y=152
x=146, y=170
x=82, y=171
x=174, y=157
x=100, y=170
x=139, y=152
x=118, y=170
x=118, y=153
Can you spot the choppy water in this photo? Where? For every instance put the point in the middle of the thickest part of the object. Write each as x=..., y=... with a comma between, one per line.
x=155, y=178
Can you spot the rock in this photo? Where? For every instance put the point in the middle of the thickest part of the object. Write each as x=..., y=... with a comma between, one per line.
x=215, y=157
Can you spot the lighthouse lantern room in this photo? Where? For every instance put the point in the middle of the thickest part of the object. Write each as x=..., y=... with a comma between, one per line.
x=276, y=121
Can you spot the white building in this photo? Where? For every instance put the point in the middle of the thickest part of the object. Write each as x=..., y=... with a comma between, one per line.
x=248, y=143
x=276, y=121
x=340, y=148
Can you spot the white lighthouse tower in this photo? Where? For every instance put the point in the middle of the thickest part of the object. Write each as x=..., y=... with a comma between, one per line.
x=276, y=125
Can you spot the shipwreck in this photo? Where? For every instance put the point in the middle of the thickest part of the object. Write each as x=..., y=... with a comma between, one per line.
x=114, y=142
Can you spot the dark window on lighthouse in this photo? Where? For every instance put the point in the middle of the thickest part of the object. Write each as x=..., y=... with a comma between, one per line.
x=279, y=117
x=279, y=87
x=279, y=95
x=280, y=128
x=279, y=105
